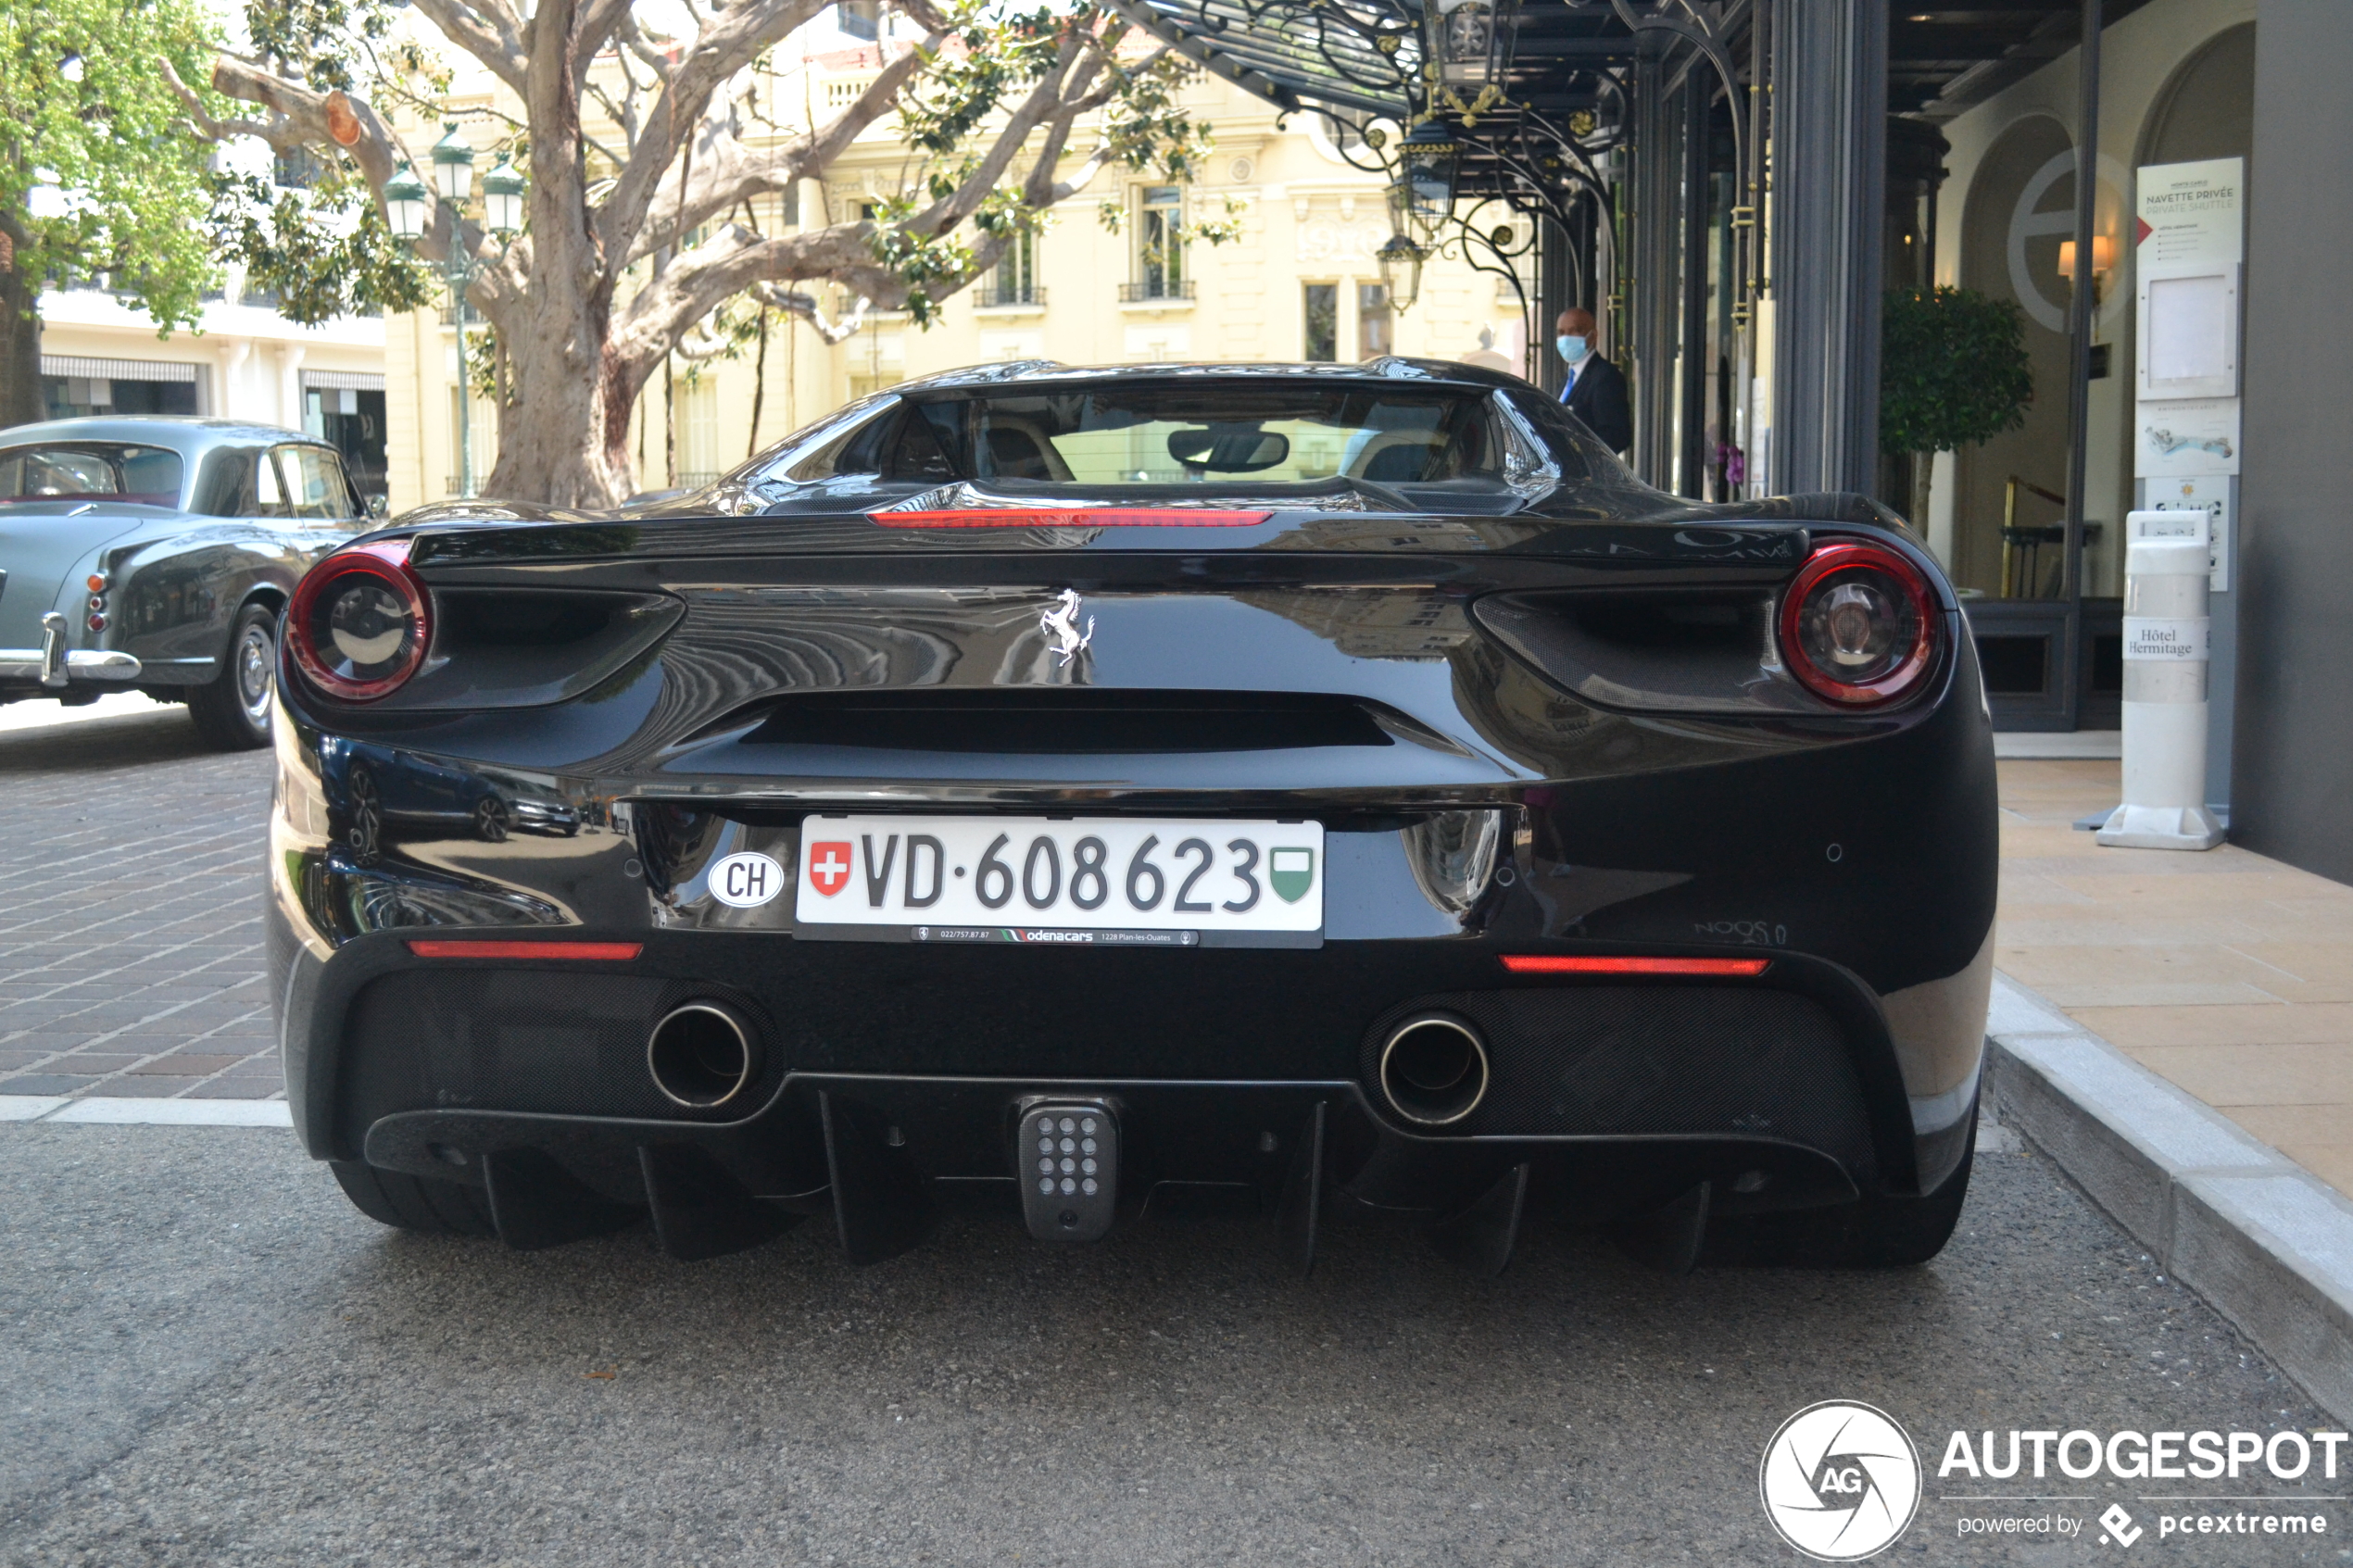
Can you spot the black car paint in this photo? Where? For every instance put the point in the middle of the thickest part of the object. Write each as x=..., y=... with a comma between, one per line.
x=1856, y=851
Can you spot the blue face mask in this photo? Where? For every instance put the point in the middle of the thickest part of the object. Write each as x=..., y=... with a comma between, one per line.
x=1572, y=349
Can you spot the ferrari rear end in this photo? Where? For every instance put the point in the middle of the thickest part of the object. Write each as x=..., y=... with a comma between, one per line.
x=1083, y=794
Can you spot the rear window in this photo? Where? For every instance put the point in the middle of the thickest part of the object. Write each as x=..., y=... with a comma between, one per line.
x=1205, y=432
x=92, y=470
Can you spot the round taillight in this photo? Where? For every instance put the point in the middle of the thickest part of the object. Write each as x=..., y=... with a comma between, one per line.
x=1859, y=625
x=360, y=622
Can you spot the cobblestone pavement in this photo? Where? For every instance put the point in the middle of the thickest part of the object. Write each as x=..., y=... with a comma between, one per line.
x=131, y=958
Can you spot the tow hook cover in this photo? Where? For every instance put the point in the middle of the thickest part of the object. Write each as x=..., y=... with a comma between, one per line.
x=1068, y=1156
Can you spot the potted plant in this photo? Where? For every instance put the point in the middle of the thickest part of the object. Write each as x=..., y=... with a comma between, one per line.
x=1953, y=373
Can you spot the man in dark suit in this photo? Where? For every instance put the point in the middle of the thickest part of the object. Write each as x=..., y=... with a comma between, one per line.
x=1596, y=389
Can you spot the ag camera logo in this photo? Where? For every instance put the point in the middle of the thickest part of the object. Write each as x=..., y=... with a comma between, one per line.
x=1840, y=1481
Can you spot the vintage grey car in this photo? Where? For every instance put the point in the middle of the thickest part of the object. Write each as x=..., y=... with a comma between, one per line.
x=156, y=554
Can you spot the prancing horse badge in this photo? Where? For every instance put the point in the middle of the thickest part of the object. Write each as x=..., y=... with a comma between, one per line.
x=1058, y=623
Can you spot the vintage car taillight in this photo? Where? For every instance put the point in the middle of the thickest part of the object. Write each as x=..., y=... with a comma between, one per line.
x=360, y=622
x=1859, y=625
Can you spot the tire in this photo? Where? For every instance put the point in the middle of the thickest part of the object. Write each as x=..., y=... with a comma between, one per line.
x=233, y=709
x=491, y=820
x=1878, y=1233
x=414, y=1203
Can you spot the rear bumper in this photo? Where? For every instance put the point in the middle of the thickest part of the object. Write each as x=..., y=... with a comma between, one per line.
x=72, y=667
x=1784, y=1088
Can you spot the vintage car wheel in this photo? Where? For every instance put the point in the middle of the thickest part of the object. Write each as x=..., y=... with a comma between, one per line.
x=414, y=1203
x=231, y=710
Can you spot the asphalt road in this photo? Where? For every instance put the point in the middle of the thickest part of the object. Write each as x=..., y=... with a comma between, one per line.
x=207, y=1357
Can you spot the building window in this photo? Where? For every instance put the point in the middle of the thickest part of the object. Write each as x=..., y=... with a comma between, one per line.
x=1321, y=305
x=860, y=18
x=1014, y=281
x=697, y=406
x=72, y=387
x=1376, y=322
x=1160, y=245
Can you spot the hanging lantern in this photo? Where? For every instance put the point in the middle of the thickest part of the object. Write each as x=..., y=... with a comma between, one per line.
x=1401, y=269
x=453, y=165
x=405, y=198
x=1426, y=164
x=1467, y=40
x=502, y=197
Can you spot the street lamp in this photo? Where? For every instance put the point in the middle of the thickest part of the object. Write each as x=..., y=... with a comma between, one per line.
x=1465, y=41
x=1426, y=164
x=1401, y=269
x=404, y=207
x=404, y=204
x=453, y=165
x=502, y=198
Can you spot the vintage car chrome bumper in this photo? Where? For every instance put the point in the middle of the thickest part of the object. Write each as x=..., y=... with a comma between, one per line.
x=53, y=664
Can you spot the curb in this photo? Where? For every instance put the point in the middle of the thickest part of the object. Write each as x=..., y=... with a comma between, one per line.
x=133, y=1111
x=2267, y=1242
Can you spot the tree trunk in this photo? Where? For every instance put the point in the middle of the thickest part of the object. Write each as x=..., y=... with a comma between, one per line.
x=20, y=401
x=1923, y=475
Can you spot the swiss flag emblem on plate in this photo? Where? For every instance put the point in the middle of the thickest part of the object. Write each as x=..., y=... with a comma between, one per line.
x=829, y=868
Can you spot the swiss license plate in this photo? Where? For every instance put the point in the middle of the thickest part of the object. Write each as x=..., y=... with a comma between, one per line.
x=1155, y=881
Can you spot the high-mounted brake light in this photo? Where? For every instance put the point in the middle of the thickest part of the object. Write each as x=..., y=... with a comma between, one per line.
x=360, y=622
x=1072, y=517
x=1556, y=963
x=1859, y=625
x=602, y=952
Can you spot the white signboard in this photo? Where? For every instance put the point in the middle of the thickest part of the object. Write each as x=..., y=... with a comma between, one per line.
x=2188, y=435
x=2187, y=213
x=2189, y=330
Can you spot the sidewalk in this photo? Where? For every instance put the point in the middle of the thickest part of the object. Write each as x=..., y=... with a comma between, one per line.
x=2227, y=974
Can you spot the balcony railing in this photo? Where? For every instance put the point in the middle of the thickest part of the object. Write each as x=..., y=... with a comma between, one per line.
x=1155, y=289
x=996, y=297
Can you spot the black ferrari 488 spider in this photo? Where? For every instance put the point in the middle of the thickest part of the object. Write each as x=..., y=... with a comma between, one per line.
x=1087, y=792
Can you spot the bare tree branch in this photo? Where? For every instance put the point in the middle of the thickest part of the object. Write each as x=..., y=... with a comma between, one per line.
x=803, y=305
x=726, y=172
x=299, y=120
x=483, y=29
x=733, y=41
x=732, y=261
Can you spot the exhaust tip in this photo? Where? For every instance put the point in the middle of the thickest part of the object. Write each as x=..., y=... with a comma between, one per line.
x=700, y=1055
x=1433, y=1069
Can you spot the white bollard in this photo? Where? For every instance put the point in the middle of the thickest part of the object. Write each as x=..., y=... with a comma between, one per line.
x=2165, y=663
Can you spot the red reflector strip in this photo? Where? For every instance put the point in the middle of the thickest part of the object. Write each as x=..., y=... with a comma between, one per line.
x=602, y=952
x=1545, y=963
x=1072, y=517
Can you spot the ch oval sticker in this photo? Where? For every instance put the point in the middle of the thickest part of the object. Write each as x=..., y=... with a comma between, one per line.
x=745, y=881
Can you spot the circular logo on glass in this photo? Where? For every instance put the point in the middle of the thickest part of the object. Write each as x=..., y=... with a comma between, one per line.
x=1841, y=1481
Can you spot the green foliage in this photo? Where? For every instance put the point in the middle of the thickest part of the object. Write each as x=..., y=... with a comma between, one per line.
x=314, y=39
x=117, y=142
x=324, y=252
x=997, y=58
x=1953, y=369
